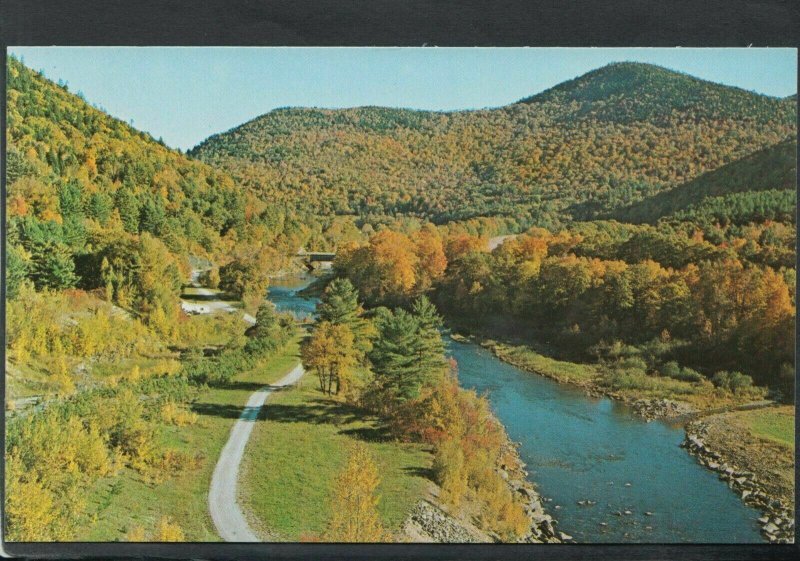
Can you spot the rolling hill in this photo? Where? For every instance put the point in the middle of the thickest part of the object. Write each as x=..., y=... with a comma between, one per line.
x=603, y=141
x=73, y=165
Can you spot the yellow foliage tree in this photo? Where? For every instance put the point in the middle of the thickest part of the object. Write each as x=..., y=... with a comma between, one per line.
x=332, y=354
x=355, y=514
x=30, y=512
x=448, y=466
x=136, y=534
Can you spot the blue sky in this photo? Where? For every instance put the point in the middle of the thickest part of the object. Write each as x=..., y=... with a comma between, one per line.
x=187, y=94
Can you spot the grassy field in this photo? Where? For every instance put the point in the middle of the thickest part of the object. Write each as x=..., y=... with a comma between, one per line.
x=775, y=424
x=298, y=448
x=130, y=500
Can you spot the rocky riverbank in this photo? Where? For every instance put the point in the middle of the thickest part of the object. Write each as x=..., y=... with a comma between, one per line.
x=652, y=409
x=431, y=521
x=760, y=470
x=543, y=525
x=746, y=475
x=428, y=523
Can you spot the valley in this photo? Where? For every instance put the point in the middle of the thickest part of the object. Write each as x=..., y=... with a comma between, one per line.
x=516, y=317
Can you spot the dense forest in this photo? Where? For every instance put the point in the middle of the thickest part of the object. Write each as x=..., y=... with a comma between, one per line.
x=603, y=141
x=771, y=169
x=634, y=299
x=92, y=203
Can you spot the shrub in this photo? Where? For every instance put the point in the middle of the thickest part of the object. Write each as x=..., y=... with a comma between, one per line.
x=173, y=462
x=210, y=277
x=734, y=382
x=672, y=370
x=449, y=471
x=175, y=414
x=136, y=534
x=499, y=511
x=355, y=513
x=168, y=531
x=690, y=375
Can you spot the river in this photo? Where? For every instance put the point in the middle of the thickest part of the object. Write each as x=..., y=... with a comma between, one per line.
x=594, y=450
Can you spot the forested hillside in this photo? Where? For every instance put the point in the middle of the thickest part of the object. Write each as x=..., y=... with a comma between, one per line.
x=628, y=92
x=600, y=142
x=91, y=201
x=102, y=364
x=81, y=183
x=769, y=170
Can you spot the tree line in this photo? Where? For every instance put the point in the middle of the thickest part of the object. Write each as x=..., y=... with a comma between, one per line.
x=588, y=289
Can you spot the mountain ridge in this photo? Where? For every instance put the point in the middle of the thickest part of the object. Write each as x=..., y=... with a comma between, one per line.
x=528, y=160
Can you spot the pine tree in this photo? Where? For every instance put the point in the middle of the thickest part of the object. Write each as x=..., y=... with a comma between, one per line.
x=408, y=354
x=339, y=306
x=339, y=303
x=53, y=266
x=430, y=347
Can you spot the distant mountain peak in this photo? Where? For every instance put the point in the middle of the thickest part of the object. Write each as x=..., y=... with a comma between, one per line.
x=624, y=91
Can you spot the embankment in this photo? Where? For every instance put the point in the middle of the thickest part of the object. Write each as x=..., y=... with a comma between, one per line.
x=760, y=471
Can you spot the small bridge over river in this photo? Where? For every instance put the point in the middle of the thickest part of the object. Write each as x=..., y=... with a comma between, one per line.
x=317, y=259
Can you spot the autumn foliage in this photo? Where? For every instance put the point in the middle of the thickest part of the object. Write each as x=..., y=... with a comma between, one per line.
x=354, y=504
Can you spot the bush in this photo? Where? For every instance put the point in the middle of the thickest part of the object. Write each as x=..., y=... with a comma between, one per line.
x=175, y=414
x=210, y=277
x=136, y=534
x=734, y=382
x=500, y=511
x=633, y=362
x=690, y=375
x=173, y=462
x=168, y=531
x=672, y=370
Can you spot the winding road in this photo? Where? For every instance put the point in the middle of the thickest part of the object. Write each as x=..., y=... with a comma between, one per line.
x=225, y=512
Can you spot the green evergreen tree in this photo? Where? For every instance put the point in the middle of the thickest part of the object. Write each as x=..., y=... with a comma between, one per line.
x=53, y=266
x=339, y=306
x=128, y=206
x=405, y=356
x=16, y=270
x=339, y=303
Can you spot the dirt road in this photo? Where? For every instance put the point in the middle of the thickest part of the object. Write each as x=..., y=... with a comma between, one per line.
x=225, y=512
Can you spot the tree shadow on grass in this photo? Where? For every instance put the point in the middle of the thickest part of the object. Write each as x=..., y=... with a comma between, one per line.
x=379, y=433
x=329, y=412
x=217, y=410
x=240, y=385
x=316, y=411
x=424, y=473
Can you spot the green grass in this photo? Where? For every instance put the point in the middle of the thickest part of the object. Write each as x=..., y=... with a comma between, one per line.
x=298, y=448
x=129, y=500
x=561, y=370
x=775, y=424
